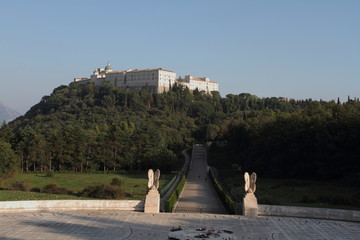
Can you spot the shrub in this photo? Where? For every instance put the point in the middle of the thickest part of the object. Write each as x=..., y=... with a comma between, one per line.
x=226, y=199
x=20, y=186
x=104, y=191
x=50, y=174
x=35, y=189
x=175, y=195
x=116, y=182
x=53, y=188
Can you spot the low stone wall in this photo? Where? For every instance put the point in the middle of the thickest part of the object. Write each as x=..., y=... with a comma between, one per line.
x=170, y=188
x=307, y=212
x=71, y=205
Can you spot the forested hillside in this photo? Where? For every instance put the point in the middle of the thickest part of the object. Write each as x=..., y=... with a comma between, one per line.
x=84, y=128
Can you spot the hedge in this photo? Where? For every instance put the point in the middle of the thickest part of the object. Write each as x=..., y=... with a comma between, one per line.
x=224, y=197
x=175, y=195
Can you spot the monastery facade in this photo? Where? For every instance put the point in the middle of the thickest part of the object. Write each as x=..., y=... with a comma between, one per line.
x=158, y=80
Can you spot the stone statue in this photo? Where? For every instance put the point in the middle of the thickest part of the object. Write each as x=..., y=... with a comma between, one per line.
x=250, y=182
x=151, y=178
x=152, y=200
x=253, y=182
x=153, y=182
x=247, y=181
x=250, y=205
x=156, y=178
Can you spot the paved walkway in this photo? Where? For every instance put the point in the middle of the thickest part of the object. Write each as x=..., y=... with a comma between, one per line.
x=141, y=226
x=199, y=195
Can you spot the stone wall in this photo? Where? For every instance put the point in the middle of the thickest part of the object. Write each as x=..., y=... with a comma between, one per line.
x=307, y=212
x=71, y=205
x=170, y=188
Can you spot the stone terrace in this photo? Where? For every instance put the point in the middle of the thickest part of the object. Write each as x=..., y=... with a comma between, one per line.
x=137, y=225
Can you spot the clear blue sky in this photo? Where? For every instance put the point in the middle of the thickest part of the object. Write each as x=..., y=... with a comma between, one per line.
x=290, y=48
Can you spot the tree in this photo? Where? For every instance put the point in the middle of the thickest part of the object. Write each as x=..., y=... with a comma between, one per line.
x=6, y=133
x=7, y=158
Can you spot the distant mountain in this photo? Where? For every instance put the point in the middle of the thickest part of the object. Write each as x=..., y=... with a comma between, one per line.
x=7, y=114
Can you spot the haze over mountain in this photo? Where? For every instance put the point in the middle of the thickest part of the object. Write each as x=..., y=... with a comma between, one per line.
x=7, y=113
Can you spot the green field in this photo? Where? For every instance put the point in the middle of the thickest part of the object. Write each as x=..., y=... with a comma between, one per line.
x=135, y=185
x=296, y=192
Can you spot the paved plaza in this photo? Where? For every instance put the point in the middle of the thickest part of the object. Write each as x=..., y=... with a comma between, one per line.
x=199, y=196
x=142, y=226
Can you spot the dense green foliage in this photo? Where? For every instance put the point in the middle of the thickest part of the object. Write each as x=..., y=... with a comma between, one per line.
x=7, y=158
x=83, y=128
x=173, y=198
x=318, y=141
x=225, y=197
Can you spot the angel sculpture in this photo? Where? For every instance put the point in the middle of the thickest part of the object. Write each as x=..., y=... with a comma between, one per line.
x=153, y=182
x=151, y=178
x=156, y=178
x=250, y=182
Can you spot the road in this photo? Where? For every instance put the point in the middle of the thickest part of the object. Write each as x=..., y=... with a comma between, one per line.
x=199, y=195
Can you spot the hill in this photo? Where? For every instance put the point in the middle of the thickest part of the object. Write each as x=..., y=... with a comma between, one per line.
x=84, y=128
x=7, y=114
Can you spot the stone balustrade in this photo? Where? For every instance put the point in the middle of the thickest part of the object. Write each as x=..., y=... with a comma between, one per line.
x=71, y=205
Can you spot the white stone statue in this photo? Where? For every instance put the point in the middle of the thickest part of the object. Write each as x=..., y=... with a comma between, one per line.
x=247, y=181
x=250, y=182
x=153, y=182
x=151, y=178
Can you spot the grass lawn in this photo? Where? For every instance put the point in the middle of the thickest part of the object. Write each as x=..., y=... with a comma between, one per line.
x=134, y=184
x=295, y=192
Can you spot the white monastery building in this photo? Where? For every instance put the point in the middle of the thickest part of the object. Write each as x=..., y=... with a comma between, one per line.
x=158, y=80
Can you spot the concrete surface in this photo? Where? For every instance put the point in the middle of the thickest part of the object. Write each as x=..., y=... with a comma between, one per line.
x=71, y=205
x=322, y=213
x=199, y=195
x=142, y=226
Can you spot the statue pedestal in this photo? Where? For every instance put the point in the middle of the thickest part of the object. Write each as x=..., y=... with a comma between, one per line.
x=152, y=202
x=250, y=205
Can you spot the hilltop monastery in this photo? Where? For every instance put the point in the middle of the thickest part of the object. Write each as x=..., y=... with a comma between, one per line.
x=158, y=80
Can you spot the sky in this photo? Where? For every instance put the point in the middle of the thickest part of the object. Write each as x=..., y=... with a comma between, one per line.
x=278, y=48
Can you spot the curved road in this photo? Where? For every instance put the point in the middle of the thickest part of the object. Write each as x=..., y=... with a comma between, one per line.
x=199, y=195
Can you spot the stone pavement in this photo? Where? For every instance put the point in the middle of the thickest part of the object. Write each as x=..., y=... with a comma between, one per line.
x=199, y=195
x=142, y=226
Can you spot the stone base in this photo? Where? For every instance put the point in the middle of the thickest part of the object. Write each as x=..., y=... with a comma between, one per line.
x=250, y=205
x=152, y=202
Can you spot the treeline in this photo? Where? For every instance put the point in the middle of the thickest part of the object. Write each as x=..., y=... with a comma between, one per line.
x=84, y=128
x=319, y=140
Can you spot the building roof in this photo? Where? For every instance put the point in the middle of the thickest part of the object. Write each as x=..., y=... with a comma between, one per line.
x=197, y=79
x=108, y=67
x=116, y=72
x=148, y=70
